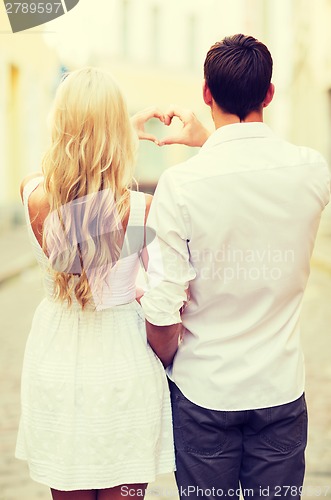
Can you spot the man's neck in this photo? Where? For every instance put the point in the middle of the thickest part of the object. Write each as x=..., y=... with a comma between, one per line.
x=221, y=119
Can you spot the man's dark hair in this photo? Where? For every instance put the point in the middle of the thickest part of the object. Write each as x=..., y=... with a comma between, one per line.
x=238, y=73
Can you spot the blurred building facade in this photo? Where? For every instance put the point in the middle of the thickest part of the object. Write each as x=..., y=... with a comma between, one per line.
x=310, y=88
x=28, y=70
x=156, y=50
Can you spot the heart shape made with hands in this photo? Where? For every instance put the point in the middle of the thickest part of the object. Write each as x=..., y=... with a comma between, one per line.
x=187, y=129
x=177, y=126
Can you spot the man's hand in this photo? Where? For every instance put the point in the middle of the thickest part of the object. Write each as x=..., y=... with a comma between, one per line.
x=192, y=134
x=164, y=341
x=139, y=120
x=139, y=294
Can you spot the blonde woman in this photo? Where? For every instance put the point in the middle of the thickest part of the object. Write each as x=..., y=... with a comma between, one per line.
x=96, y=418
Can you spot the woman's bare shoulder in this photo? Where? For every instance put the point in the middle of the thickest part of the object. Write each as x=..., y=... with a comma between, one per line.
x=38, y=206
x=28, y=179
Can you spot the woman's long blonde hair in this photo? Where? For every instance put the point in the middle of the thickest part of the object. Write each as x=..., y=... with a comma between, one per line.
x=88, y=171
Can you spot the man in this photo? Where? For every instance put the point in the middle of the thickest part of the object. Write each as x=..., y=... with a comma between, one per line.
x=236, y=226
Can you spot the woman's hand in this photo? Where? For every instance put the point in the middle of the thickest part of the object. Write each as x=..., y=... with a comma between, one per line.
x=141, y=118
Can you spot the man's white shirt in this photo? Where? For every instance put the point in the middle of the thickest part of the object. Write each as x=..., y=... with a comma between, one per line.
x=236, y=226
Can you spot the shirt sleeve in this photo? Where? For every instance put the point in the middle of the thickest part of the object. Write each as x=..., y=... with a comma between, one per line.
x=169, y=268
x=326, y=186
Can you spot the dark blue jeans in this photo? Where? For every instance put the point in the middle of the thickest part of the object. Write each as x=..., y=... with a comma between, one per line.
x=261, y=451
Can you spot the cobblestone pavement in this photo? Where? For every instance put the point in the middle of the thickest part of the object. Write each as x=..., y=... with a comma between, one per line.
x=18, y=299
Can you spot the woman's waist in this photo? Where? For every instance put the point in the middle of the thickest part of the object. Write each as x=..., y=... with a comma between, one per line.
x=73, y=304
x=103, y=297
x=58, y=307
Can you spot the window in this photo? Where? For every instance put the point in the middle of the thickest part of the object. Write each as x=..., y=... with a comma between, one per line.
x=192, y=41
x=14, y=130
x=155, y=34
x=125, y=29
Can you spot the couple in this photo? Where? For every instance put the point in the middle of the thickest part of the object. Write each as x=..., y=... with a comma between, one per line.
x=235, y=228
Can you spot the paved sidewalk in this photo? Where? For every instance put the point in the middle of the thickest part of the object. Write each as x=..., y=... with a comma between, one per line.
x=20, y=291
x=19, y=298
x=15, y=252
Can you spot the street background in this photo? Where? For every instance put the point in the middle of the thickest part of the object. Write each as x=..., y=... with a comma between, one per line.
x=19, y=296
x=156, y=51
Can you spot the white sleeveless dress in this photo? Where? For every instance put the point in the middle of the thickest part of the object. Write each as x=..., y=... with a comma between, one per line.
x=95, y=401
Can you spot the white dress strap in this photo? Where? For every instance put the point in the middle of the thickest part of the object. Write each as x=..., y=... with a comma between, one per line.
x=137, y=209
x=29, y=187
x=135, y=231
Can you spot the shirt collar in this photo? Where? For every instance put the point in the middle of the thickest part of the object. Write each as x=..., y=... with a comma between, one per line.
x=236, y=131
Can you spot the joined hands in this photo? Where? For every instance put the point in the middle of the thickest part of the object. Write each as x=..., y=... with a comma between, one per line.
x=193, y=133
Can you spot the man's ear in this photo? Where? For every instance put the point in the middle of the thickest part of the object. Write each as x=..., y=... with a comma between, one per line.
x=269, y=95
x=207, y=97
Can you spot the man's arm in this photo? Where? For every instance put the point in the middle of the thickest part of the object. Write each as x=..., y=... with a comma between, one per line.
x=169, y=269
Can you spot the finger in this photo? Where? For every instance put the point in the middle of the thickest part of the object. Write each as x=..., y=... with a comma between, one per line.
x=167, y=141
x=168, y=119
x=139, y=119
x=148, y=137
x=183, y=114
x=153, y=113
x=158, y=114
x=170, y=114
